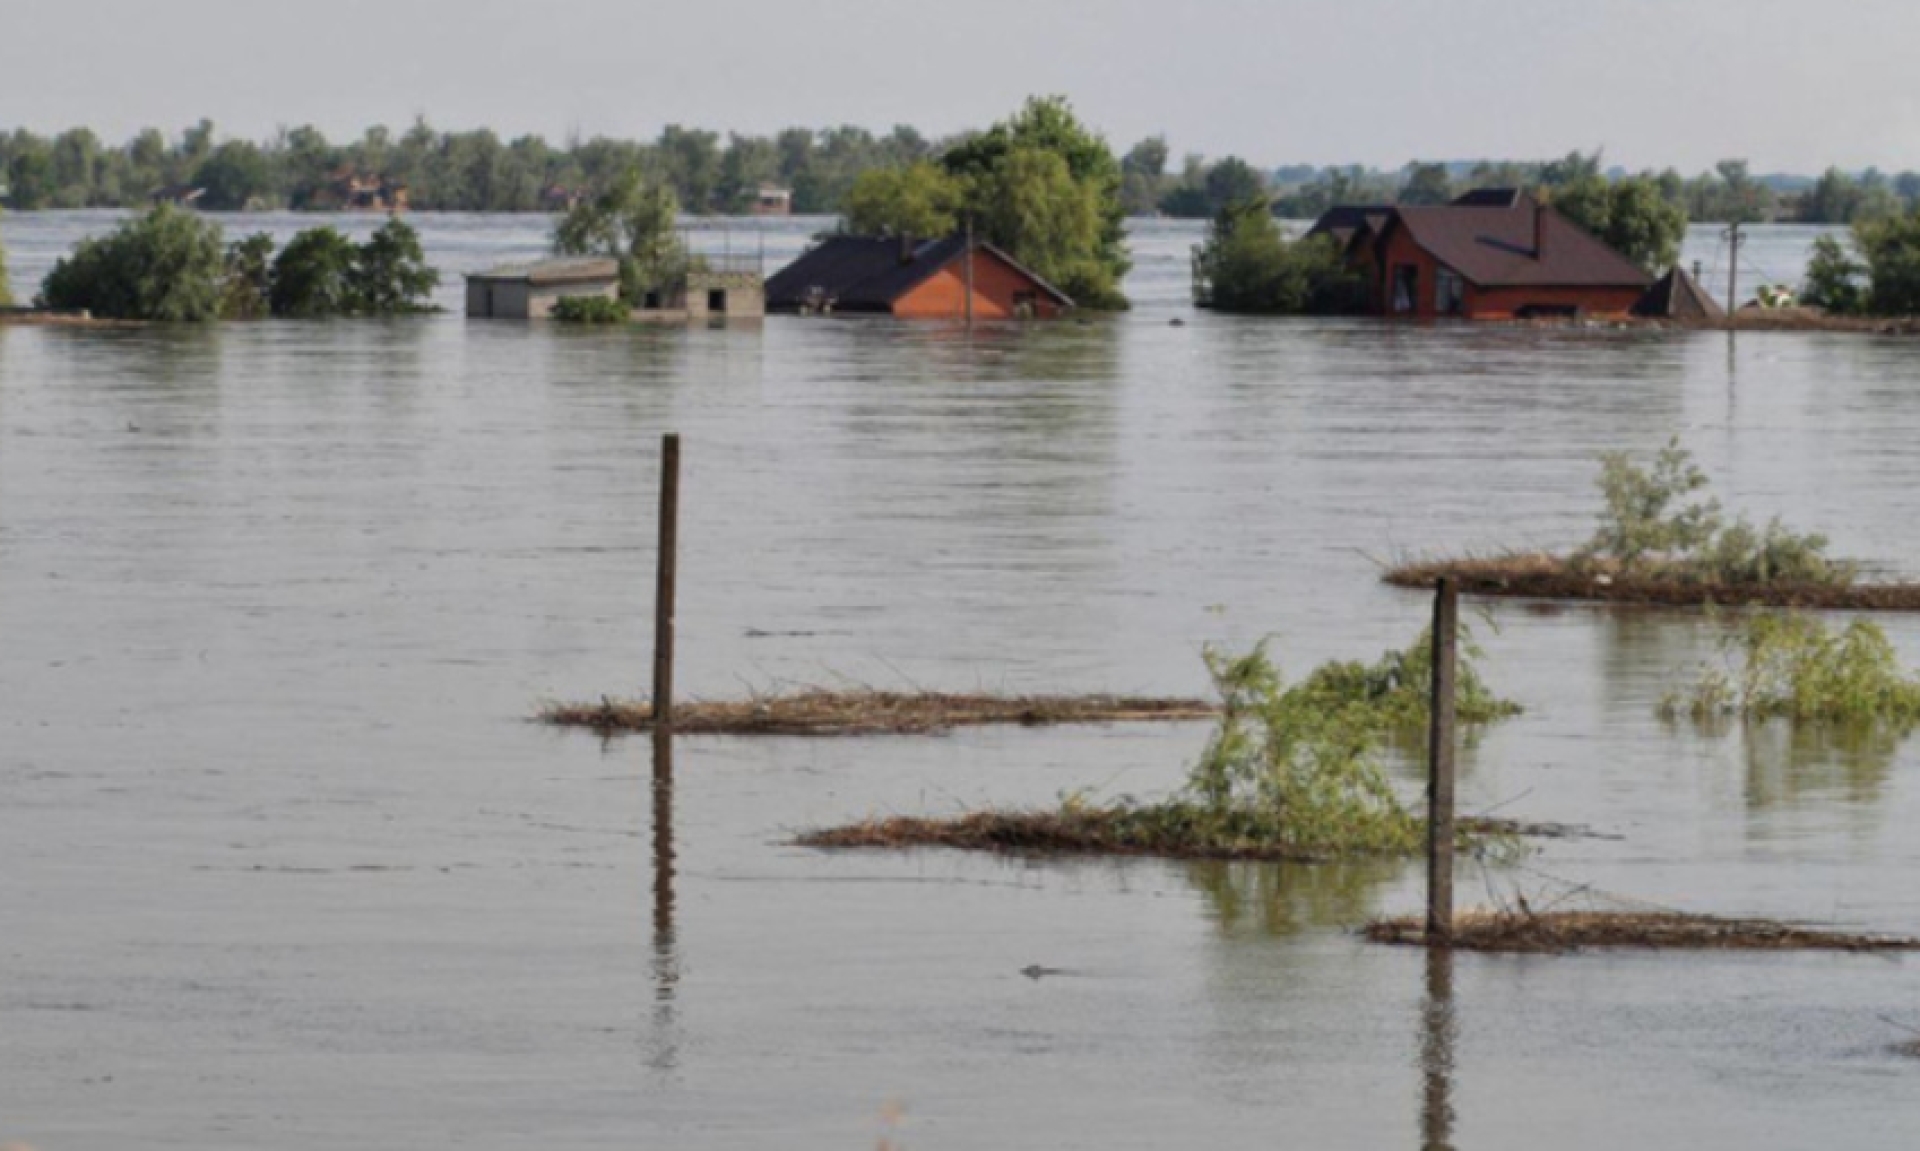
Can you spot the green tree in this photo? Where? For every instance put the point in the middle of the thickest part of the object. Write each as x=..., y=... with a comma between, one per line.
x=1890, y=246
x=1247, y=265
x=691, y=158
x=1087, y=267
x=165, y=265
x=632, y=221
x=918, y=200
x=1836, y=281
x=31, y=183
x=235, y=175
x=1631, y=216
x=1143, y=176
x=390, y=275
x=248, y=282
x=1427, y=184
x=313, y=276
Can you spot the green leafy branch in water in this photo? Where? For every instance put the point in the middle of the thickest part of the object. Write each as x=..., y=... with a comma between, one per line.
x=1656, y=521
x=1299, y=765
x=1794, y=667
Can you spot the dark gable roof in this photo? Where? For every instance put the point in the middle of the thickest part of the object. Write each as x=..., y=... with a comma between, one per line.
x=1492, y=245
x=870, y=273
x=1343, y=220
x=1678, y=296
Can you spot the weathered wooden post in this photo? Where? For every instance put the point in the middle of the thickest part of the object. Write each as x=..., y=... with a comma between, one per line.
x=1446, y=626
x=664, y=580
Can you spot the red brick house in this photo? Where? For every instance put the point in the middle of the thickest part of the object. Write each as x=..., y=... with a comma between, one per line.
x=911, y=279
x=1494, y=254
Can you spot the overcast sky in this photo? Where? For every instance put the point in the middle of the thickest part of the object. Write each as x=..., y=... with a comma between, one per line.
x=1791, y=84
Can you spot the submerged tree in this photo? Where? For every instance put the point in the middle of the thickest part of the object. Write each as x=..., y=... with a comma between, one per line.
x=1247, y=265
x=248, y=284
x=1011, y=189
x=631, y=221
x=1891, y=247
x=390, y=275
x=313, y=276
x=166, y=265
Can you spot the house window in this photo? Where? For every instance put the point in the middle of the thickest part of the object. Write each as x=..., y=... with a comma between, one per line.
x=1406, y=287
x=1449, y=292
x=717, y=300
x=1026, y=305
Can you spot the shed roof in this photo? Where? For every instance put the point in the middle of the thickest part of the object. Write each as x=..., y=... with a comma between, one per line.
x=571, y=270
x=870, y=273
x=1493, y=244
x=1678, y=296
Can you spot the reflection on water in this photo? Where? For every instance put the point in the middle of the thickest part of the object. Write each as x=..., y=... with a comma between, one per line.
x=1282, y=898
x=1439, y=1030
x=665, y=1053
x=1787, y=763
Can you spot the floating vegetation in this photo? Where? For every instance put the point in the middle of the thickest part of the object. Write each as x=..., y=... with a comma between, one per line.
x=1796, y=668
x=1558, y=932
x=865, y=712
x=1661, y=541
x=1290, y=773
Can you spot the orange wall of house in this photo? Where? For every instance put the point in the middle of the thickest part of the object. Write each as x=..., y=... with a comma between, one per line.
x=943, y=296
x=1504, y=303
x=1402, y=250
x=1488, y=303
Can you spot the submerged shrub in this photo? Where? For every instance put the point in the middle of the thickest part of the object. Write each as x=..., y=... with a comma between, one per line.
x=591, y=310
x=166, y=265
x=1299, y=765
x=1247, y=265
x=1656, y=522
x=1794, y=667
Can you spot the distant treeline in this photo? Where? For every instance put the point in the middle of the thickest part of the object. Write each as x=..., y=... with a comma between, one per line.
x=1728, y=192
x=301, y=168
x=443, y=171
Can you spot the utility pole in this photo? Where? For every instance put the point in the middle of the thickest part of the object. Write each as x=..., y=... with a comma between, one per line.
x=1734, y=241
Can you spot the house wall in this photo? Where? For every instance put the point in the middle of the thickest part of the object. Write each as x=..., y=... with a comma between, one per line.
x=1485, y=303
x=746, y=295
x=1507, y=303
x=519, y=300
x=943, y=295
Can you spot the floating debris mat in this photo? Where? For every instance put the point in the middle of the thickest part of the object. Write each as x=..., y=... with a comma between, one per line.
x=1542, y=576
x=1559, y=932
x=838, y=713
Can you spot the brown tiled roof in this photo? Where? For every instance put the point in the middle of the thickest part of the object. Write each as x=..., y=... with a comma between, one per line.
x=1493, y=246
x=869, y=273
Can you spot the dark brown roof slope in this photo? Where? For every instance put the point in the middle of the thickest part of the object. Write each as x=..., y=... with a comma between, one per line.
x=869, y=273
x=1678, y=296
x=1494, y=247
x=1343, y=220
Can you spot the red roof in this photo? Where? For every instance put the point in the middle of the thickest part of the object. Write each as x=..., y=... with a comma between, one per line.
x=1495, y=245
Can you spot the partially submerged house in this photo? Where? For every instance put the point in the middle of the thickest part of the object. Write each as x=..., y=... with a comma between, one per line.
x=912, y=279
x=529, y=291
x=773, y=200
x=1495, y=253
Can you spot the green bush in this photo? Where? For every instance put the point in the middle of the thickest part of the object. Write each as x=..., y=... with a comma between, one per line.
x=1299, y=765
x=1835, y=280
x=1891, y=248
x=1794, y=667
x=1654, y=524
x=313, y=276
x=249, y=278
x=1247, y=265
x=390, y=276
x=166, y=265
x=591, y=310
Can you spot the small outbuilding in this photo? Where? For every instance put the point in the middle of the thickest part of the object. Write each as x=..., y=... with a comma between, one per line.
x=529, y=291
x=912, y=279
x=1678, y=296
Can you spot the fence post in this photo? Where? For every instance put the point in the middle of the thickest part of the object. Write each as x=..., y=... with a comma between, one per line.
x=1440, y=743
x=664, y=582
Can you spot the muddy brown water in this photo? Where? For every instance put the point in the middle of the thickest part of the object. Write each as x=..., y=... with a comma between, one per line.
x=284, y=865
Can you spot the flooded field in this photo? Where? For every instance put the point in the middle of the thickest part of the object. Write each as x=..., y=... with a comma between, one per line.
x=287, y=866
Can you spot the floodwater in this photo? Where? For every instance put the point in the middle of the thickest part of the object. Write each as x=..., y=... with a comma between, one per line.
x=285, y=867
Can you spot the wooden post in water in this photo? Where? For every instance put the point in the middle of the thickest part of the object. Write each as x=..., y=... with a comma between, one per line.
x=664, y=581
x=1446, y=627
